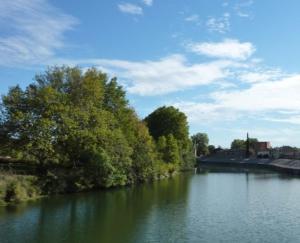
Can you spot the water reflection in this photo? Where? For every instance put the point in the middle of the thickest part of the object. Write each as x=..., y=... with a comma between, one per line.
x=116, y=215
x=209, y=207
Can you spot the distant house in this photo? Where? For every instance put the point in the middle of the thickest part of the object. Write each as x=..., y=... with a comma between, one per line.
x=263, y=149
x=262, y=146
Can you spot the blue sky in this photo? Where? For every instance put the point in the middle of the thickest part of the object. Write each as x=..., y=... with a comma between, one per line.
x=231, y=65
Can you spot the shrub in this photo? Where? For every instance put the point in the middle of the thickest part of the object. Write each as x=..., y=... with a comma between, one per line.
x=17, y=188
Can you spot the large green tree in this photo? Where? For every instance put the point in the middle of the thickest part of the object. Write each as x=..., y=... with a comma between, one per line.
x=169, y=120
x=169, y=128
x=77, y=119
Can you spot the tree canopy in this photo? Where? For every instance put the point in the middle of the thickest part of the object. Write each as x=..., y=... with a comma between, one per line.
x=169, y=128
x=241, y=144
x=238, y=144
x=75, y=119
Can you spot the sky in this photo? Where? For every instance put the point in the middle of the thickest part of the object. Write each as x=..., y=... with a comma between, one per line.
x=232, y=66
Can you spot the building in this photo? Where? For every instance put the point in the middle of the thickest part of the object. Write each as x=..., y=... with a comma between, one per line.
x=263, y=149
x=262, y=146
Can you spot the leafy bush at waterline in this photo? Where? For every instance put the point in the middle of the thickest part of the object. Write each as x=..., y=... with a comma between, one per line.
x=17, y=188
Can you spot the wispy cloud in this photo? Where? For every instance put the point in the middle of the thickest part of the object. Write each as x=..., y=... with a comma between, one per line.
x=261, y=75
x=229, y=48
x=130, y=8
x=35, y=31
x=175, y=73
x=192, y=18
x=271, y=100
x=148, y=2
x=242, y=8
x=169, y=74
x=220, y=25
x=271, y=95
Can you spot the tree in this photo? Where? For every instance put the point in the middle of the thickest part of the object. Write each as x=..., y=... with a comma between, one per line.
x=81, y=122
x=172, y=151
x=241, y=144
x=169, y=128
x=238, y=144
x=144, y=157
x=169, y=120
x=76, y=119
x=168, y=148
x=200, y=141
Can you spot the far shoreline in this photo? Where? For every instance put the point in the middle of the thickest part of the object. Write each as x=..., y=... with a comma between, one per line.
x=284, y=166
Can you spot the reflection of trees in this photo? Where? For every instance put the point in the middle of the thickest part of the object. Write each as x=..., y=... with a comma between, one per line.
x=116, y=215
x=169, y=208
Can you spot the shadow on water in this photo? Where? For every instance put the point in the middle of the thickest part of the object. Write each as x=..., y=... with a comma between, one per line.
x=103, y=216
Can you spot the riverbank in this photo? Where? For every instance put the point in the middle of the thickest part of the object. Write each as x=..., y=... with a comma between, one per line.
x=16, y=186
x=288, y=166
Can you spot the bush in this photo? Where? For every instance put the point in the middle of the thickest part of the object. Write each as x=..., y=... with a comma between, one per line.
x=17, y=188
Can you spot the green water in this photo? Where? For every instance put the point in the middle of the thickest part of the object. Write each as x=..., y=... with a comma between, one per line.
x=213, y=207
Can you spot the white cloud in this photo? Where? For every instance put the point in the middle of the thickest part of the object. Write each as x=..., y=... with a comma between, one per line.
x=271, y=100
x=174, y=73
x=243, y=15
x=271, y=95
x=262, y=75
x=130, y=8
x=204, y=112
x=221, y=25
x=192, y=18
x=35, y=30
x=229, y=48
x=294, y=119
x=170, y=74
x=148, y=2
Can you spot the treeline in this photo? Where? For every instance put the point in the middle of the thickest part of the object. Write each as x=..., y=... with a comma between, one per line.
x=80, y=121
x=202, y=147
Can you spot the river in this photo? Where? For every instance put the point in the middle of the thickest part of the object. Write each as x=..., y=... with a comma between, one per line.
x=209, y=207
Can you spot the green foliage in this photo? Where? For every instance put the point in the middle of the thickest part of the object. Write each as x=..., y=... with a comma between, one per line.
x=81, y=123
x=241, y=144
x=238, y=144
x=200, y=141
x=169, y=150
x=169, y=120
x=169, y=128
x=144, y=157
x=17, y=188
